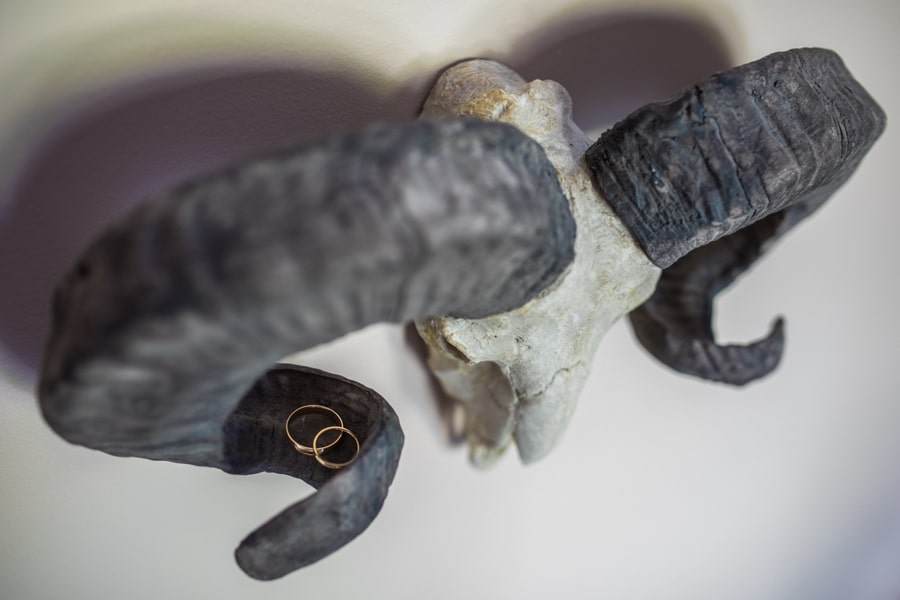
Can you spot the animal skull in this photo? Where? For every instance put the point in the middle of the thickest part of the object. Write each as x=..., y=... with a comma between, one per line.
x=166, y=329
x=519, y=373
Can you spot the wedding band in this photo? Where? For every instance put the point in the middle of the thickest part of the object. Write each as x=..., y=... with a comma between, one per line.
x=315, y=408
x=317, y=450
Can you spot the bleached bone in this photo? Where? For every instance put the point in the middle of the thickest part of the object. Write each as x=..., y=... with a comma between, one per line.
x=518, y=374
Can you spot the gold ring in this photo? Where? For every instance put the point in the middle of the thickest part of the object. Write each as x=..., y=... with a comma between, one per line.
x=317, y=451
x=316, y=408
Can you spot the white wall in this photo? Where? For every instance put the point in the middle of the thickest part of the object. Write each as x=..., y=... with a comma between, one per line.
x=663, y=488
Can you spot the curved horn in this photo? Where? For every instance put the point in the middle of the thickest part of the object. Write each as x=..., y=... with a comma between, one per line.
x=347, y=501
x=707, y=181
x=169, y=317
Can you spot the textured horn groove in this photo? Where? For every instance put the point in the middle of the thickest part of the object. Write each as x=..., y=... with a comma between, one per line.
x=169, y=318
x=707, y=181
x=784, y=131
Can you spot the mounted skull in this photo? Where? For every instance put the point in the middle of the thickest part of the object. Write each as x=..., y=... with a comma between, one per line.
x=684, y=181
x=519, y=373
x=165, y=329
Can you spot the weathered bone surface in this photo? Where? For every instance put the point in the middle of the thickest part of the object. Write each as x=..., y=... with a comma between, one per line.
x=169, y=318
x=716, y=175
x=519, y=373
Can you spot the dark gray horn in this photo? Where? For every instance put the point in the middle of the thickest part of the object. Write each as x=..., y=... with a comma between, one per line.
x=347, y=500
x=708, y=180
x=167, y=321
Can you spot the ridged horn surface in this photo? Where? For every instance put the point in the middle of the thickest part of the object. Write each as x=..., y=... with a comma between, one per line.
x=172, y=315
x=708, y=180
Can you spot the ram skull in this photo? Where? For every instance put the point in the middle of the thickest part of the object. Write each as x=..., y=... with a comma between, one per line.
x=514, y=244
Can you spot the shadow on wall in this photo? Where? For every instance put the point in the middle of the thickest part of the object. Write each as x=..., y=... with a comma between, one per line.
x=136, y=141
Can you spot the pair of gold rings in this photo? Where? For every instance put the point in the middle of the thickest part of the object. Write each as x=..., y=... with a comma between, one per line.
x=316, y=450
